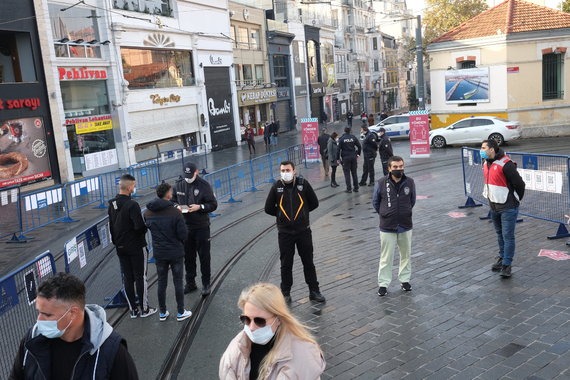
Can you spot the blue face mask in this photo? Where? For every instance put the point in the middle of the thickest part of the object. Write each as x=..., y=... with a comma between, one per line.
x=483, y=154
x=49, y=328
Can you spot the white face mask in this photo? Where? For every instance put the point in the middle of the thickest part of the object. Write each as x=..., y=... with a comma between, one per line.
x=49, y=329
x=287, y=177
x=260, y=336
x=190, y=180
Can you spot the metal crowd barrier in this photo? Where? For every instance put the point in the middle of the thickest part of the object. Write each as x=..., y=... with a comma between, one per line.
x=18, y=292
x=90, y=256
x=546, y=176
x=171, y=162
x=81, y=193
x=10, y=223
x=42, y=207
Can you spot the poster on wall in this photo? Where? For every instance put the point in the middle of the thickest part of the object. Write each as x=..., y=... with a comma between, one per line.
x=419, y=134
x=24, y=154
x=467, y=85
x=220, y=111
x=310, y=129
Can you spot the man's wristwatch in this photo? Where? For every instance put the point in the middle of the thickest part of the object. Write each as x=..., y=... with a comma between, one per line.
x=202, y=207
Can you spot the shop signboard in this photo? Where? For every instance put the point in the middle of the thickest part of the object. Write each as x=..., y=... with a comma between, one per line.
x=419, y=134
x=252, y=97
x=93, y=126
x=24, y=157
x=310, y=128
x=220, y=111
x=317, y=89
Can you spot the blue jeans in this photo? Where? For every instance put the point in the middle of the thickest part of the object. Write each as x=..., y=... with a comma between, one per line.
x=504, y=222
x=177, y=268
x=273, y=140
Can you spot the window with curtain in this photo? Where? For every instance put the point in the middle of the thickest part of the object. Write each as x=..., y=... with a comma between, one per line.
x=255, y=40
x=259, y=74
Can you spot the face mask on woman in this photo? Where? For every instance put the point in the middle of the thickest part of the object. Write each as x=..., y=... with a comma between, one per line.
x=260, y=336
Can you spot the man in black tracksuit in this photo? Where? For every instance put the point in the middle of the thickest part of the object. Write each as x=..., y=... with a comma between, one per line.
x=384, y=149
x=128, y=235
x=323, y=141
x=169, y=231
x=369, y=148
x=349, y=148
x=290, y=200
x=197, y=200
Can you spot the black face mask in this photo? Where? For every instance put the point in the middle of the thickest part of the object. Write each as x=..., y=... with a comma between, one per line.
x=397, y=173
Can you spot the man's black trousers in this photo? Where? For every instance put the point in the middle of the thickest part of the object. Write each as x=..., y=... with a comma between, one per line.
x=197, y=242
x=368, y=169
x=133, y=267
x=304, y=242
x=349, y=169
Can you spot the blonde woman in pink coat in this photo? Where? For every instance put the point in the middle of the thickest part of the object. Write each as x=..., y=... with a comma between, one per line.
x=273, y=343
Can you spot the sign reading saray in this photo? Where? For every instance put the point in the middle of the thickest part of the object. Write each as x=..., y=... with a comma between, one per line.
x=310, y=129
x=419, y=134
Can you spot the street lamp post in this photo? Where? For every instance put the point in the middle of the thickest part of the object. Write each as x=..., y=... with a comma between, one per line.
x=420, y=87
x=362, y=106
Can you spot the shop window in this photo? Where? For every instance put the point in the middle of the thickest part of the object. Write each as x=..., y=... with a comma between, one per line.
x=154, y=68
x=259, y=77
x=247, y=74
x=243, y=38
x=16, y=58
x=552, y=79
x=153, y=7
x=466, y=65
x=255, y=40
x=75, y=32
x=280, y=70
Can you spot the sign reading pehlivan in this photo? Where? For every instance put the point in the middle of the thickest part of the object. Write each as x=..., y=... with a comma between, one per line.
x=419, y=134
x=310, y=128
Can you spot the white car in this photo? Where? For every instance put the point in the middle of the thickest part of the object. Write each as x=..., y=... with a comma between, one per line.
x=397, y=125
x=474, y=130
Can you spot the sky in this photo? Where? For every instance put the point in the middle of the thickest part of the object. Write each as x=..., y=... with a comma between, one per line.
x=418, y=5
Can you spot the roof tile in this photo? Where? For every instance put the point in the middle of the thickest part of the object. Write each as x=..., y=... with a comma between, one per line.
x=511, y=16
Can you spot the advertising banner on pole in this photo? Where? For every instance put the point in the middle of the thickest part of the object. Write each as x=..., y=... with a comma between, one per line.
x=419, y=134
x=310, y=129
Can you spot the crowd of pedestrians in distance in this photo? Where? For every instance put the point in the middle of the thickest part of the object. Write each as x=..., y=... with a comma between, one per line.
x=72, y=339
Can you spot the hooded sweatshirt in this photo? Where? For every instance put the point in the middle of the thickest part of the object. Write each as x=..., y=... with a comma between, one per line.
x=102, y=353
x=167, y=227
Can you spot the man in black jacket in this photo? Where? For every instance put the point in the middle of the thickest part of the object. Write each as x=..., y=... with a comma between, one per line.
x=349, y=149
x=128, y=235
x=71, y=340
x=196, y=200
x=384, y=149
x=369, y=148
x=290, y=200
x=323, y=140
x=393, y=199
x=504, y=188
x=169, y=231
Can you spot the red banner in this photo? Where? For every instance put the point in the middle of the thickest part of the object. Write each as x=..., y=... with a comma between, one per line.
x=419, y=134
x=310, y=129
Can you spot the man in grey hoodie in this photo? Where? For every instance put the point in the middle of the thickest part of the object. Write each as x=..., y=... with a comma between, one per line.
x=71, y=340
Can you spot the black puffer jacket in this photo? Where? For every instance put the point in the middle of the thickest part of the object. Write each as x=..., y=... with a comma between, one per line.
x=167, y=227
x=200, y=193
x=394, y=202
x=385, y=147
x=291, y=204
x=126, y=224
x=369, y=145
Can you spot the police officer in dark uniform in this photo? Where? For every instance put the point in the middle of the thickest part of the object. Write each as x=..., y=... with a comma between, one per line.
x=349, y=148
x=290, y=200
x=369, y=148
x=194, y=196
x=384, y=149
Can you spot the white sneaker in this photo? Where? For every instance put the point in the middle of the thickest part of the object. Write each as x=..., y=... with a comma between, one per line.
x=164, y=316
x=182, y=316
x=148, y=312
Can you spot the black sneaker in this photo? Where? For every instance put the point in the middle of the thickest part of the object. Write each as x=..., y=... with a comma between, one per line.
x=506, y=271
x=371, y=184
x=497, y=266
x=190, y=287
x=382, y=291
x=134, y=313
x=362, y=183
x=406, y=286
x=316, y=296
x=287, y=297
x=206, y=290
x=356, y=189
x=348, y=191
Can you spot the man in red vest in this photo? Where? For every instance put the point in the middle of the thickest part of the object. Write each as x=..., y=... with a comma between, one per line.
x=504, y=188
